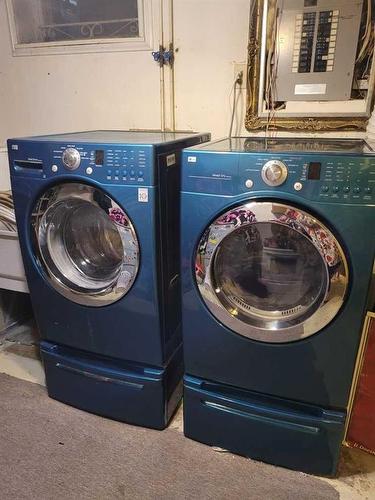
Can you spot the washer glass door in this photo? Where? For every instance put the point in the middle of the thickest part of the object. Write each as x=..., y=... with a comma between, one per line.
x=86, y=244
x=271, y=272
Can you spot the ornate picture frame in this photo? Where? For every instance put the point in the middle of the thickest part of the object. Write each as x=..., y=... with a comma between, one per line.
x=254, y=121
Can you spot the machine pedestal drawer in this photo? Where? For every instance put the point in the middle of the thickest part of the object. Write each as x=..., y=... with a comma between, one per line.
x=120, y=390
x=287, y=433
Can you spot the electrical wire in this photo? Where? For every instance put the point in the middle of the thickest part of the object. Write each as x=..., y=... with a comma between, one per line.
x=368, y=35
x=364, y=59
x=272, y=67
x=369, y=60
x=270, y=74
x=237, y=81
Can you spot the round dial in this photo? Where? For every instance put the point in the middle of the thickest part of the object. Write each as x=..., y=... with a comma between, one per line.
x=274, y=173
x=71, y=158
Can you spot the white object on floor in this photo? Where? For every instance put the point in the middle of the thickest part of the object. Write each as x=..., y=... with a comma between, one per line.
x=12, y=273
x=25, y=368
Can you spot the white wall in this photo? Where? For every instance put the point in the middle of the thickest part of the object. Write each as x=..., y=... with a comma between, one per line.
x=210, y=36
x=4, y=174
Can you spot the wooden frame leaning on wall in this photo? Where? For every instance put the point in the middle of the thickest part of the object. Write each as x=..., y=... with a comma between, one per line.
x=262, y=19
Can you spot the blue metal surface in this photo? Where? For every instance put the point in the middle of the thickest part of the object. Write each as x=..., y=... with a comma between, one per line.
x=129, y=392
x=295, y=435
x=344, y=179
x=317, y=370
x=144, y=326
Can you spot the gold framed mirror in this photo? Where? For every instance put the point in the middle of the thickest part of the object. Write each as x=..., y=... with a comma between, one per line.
x=270, y=36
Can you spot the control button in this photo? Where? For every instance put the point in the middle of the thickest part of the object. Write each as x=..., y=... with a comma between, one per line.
x=368, y=190
x=298, y=186
x=346, y=189
x=249, y=183
x=132, y=173
x=117, y=172
x=335, y=189
x=325, y=189
x=274, y=173
x=109, y=172
x=54, y=168
x=89, y=170
x=125, y=173
x=140, y=173
x=357, y=190
x=71, y=158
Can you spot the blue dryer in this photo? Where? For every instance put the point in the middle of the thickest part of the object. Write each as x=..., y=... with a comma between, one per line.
x=278, y=245
x=98, y=224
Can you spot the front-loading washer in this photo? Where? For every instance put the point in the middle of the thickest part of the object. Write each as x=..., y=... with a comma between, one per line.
x=98, y=223
x=277, y=246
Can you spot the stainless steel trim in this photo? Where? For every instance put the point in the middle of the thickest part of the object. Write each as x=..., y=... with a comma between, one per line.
x=59, y=268
x=273, y=326
x=259, y=417
x=271, y=167
x=71, y=158
x=99, y=378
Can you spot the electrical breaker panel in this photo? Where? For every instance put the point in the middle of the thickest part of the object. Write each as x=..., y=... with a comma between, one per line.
x=316, y=49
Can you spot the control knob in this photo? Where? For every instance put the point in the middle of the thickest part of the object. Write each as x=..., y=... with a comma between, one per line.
x=274, y=173
x=71, y=158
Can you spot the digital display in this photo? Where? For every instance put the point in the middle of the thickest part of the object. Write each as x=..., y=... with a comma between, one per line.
x=99, y=157
x=313, y=173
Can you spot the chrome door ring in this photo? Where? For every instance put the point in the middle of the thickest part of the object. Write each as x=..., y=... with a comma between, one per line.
x=298, y=323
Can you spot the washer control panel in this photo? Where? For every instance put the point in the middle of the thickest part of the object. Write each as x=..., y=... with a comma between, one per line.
x=104, y=163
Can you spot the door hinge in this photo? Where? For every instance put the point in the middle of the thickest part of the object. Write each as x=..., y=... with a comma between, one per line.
x=163, y=56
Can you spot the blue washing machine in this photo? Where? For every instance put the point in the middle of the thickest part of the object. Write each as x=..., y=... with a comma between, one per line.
x=98, y=223
x=278, y=243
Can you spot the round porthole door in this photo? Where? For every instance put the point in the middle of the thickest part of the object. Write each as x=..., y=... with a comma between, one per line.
x=86, y=244
x=271, y=272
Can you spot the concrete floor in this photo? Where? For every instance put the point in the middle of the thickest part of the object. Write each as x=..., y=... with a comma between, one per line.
x=356, y=478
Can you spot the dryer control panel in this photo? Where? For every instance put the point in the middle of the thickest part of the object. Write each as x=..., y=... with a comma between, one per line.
x=107, y=164
x=334, y=171
x=326, y=178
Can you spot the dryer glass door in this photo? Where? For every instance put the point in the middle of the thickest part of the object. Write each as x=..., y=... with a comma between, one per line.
x=86, y=244
x=271, y=272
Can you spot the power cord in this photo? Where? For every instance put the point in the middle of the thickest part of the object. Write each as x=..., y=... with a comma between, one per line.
x=238, y=81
